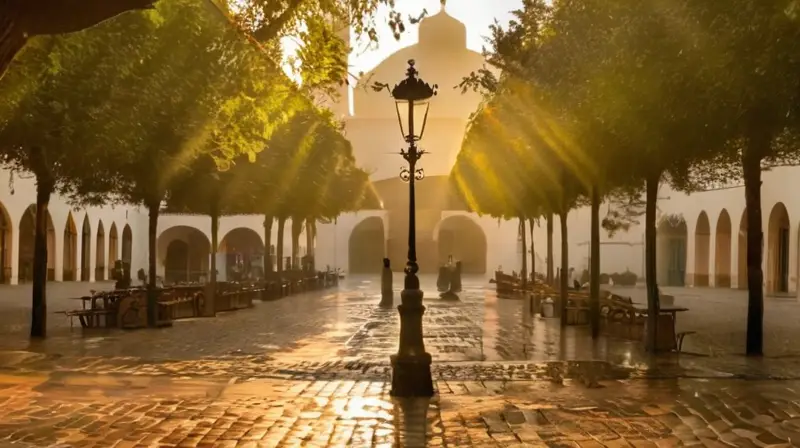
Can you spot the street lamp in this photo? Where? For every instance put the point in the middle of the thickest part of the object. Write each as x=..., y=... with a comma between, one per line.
x=411, y=366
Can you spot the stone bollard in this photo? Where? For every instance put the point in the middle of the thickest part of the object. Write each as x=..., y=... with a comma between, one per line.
x=387, y=290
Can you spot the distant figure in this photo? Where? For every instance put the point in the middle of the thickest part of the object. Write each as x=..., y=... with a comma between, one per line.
x=387, y=291
x=455, y=280
x=443, y=281
x=445, y=275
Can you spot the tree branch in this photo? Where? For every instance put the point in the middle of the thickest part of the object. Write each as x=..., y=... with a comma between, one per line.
x=67, y=16
x=270, y=30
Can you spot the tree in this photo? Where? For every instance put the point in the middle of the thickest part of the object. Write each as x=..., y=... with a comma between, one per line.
x=183, y=102
x=52, y=123
x=215, y=185
x=647, y=103
x=500, y=158
x=313, y=176
x=752, y=45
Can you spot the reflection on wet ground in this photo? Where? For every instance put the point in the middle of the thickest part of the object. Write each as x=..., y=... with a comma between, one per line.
x=85, y=411
x=345, y=324
x=312, y=370
x=344, y=335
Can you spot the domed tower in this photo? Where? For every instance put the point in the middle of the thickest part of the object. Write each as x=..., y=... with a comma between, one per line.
x=442, y=32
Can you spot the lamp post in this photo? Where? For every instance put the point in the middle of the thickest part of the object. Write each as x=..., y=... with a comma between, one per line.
x=411, y=366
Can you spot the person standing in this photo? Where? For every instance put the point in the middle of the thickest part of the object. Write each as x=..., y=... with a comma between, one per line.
x=387, y=291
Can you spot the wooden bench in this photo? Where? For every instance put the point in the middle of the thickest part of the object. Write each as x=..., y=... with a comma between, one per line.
x=89, y=318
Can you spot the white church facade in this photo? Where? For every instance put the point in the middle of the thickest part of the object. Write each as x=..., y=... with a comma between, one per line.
x=700, y=244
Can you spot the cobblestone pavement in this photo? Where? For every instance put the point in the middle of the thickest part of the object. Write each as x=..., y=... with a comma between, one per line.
x=343, y=334
x=122, y=411
x=312, y=370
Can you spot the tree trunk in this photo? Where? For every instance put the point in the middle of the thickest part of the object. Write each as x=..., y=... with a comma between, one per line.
x=311, y=239
x=211, y=303
x=533, y=254
x=564, y=267
x=279, y=247
x=650, y=260
x=524, y=273
x=550, y=266
x=297, y=229
x=152, y=233
x=44, y=188
x=757, y=145
x=594, y=266
x=268, y=221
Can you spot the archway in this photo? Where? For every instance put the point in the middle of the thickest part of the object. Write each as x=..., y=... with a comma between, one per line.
x=5, y=245
x=366, y=247
x=722, y=251
x=671, y=237
x=69, y=263
x=113, y=242
x=127, y=245
x=702, y=250
x=462, y=238
x=741, y=262
x=244, y=254
x=27, y=234
x=176, y=262
x=86, y=249
x=184, y=253
x=100, y=254
x=778, y=250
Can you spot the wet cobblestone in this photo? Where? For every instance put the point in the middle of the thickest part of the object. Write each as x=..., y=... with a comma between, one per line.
x=312, y=370
x=91, y=411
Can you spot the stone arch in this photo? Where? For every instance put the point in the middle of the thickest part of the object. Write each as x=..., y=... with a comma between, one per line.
x=6, y=242
x=741, y=262
x=366, y=247
x=702, y=250
x=86, y=249
x=778, y=250
x=127, y=245
x=183, y=251
x=671, y=236
x=113, y=248
x=464, y=239
x=244, y=253
x=722, y=251
x=100, y=253
x=27, y=235
x=69, y=262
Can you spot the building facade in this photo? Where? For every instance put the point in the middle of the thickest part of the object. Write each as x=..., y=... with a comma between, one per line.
x=701, y=237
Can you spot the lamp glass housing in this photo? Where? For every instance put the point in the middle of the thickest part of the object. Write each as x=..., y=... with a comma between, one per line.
x=412, y=110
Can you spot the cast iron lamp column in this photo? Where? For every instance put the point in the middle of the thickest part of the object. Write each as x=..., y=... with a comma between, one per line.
x=411, y=366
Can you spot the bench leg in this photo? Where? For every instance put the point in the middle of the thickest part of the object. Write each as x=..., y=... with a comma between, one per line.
x=679, y=342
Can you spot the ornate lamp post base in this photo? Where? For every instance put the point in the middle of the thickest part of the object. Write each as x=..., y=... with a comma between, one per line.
x=411, y=366
x=411, y=376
